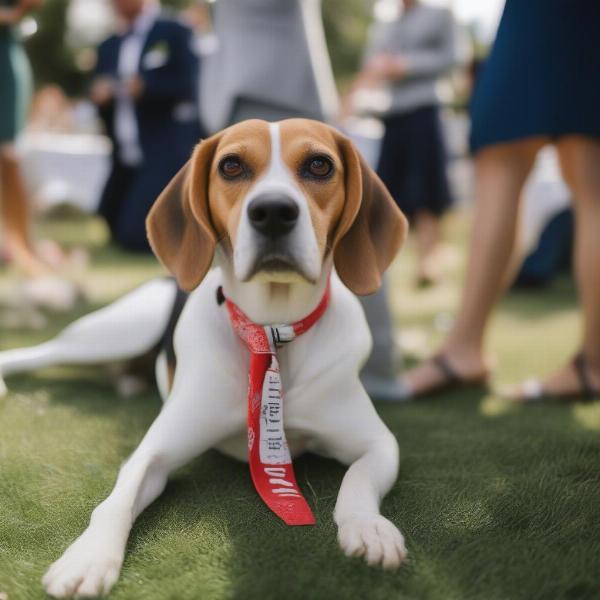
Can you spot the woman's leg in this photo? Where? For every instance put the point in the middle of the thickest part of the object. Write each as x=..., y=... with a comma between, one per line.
x=500, y=173
x=580, y=163
x=428, y=234
x=14, y=214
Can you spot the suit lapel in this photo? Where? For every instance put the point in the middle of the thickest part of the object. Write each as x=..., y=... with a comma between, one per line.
x=154, y=36
x=112, y=55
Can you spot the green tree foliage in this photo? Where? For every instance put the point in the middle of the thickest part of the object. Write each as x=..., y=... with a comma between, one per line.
x=53, y=59
x=346, y=28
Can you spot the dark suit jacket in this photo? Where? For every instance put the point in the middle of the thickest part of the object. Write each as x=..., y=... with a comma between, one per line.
x=167, y=121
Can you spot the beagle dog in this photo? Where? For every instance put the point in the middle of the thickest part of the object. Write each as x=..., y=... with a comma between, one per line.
x=289, y=213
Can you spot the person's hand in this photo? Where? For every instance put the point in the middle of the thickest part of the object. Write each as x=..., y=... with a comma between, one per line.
x=135, y=87
x=345, y=109
x=386, y=66
x=102, y=90
x=397, y=67
x=11, y=16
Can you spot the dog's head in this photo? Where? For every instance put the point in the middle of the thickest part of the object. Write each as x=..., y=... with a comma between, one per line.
x=280, y=198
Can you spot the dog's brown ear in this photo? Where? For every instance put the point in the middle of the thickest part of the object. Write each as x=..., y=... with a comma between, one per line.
x=371, y=229
x=179, y=226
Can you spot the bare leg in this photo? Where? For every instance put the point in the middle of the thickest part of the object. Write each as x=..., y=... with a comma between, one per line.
x=428, y=232
x=500, y=173
x=580, y=162
x=14, y=213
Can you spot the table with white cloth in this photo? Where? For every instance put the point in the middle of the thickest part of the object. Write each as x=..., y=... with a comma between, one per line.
x=64, y=168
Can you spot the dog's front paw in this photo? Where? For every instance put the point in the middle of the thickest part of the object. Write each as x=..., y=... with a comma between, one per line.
x=373, y=537
x=88, y=569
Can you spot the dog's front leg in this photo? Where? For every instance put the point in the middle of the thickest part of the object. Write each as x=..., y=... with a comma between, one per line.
x=187, y=426
x=352, y=432
x=362, y=530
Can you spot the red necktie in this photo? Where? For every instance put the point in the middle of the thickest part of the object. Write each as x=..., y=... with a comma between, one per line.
x=268, y=454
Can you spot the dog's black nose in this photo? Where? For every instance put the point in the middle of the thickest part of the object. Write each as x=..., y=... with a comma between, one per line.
x=273, y=215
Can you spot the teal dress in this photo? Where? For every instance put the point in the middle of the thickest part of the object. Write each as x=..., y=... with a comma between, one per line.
x=15, y=81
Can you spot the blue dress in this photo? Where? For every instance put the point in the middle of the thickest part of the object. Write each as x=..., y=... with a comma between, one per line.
x=542, y=77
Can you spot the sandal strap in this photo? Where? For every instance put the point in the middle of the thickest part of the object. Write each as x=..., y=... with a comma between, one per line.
x=580, y=366
x=441, y=362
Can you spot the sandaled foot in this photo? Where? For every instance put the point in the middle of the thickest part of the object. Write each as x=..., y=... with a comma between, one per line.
x=50, y=293
x=439, y=374
x=576, y=381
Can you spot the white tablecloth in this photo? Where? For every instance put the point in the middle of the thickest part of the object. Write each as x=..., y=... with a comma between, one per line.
x=65, y=168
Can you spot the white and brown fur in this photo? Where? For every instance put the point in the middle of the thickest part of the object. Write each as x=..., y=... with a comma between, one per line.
x=347, y=228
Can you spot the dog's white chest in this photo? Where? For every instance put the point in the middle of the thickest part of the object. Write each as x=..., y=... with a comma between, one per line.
x=298, y=425
x=237, y=446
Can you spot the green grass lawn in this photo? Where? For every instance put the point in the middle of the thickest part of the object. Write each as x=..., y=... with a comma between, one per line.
x=495, y=501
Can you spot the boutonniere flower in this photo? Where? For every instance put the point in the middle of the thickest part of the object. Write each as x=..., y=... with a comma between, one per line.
x=157, y=55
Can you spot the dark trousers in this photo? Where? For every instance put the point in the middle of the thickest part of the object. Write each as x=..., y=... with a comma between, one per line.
x=115, y=192
x=128, y=196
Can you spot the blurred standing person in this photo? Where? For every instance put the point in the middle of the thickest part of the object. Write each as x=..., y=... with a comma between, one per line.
x=540, y=85
x=145, y=87
x=15, y=90
x=406, y=57
x=272, y=63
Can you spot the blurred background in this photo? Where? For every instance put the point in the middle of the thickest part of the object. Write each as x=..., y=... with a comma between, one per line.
x=64, y=150
x=494, y=492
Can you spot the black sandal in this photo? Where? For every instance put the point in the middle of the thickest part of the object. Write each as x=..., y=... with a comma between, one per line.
x=452, y=381
x=533, y=389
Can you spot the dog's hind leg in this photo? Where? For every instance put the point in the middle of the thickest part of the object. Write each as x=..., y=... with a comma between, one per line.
x=127, y=328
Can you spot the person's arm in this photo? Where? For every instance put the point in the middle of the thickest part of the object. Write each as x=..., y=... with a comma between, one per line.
x=366, y=76
x=102, y=88
x=176, y=80
x=11, y=16
x=431, y=62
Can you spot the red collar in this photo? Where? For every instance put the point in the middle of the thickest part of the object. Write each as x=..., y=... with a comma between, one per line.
x=279, y=334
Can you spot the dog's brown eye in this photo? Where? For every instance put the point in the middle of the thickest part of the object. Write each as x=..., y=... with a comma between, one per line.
x=320, y=166
x=231, y=167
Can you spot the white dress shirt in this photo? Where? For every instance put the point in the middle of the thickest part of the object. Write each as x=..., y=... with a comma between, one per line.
x=125, y=124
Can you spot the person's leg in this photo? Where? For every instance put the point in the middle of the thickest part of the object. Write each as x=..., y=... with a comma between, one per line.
x=147, y=183
x=113, y=196
x=379, y=372
x=14, y=214
x=580, y=162
x=500, y=173
x=435, y=197
x=428, y=234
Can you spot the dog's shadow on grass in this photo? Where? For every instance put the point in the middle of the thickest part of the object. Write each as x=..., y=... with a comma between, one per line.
x=86, y=390
x=215, y=510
